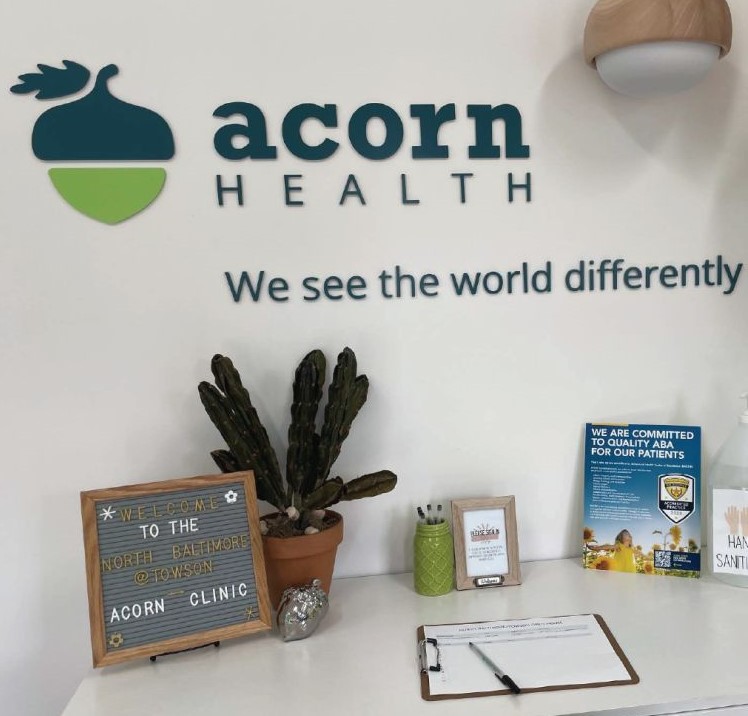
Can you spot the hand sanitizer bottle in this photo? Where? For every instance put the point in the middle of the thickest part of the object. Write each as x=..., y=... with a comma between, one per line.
x=729, y=507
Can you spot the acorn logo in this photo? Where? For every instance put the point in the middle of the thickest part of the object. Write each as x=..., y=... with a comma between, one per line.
x=102, y=130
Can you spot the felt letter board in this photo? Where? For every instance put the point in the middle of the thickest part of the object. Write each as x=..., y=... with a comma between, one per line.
x=172, y=565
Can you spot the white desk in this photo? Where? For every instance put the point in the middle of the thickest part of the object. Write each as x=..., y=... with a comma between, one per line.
x=687, y=639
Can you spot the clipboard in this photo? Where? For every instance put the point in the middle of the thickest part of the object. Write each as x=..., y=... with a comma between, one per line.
x=433, y=662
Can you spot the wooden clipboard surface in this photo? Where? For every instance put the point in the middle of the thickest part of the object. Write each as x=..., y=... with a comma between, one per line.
x=426, y=694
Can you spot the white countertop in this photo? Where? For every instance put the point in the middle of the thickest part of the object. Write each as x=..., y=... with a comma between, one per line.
x=687, y=640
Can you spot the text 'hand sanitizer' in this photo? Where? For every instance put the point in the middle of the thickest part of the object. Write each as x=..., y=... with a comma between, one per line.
x=729, y=507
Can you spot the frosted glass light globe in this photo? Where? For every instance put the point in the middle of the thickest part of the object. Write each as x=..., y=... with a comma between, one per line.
x=654, y=47
x=657, y=68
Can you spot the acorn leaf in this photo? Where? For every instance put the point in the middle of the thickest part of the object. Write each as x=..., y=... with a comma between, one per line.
x=53, y=82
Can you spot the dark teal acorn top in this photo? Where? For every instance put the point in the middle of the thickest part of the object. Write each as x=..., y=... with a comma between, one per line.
x=101, y=127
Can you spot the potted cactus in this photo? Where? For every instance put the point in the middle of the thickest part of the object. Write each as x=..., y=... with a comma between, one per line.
x=303, y=527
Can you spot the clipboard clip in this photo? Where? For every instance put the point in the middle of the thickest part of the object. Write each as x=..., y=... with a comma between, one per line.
x=496, y=581
x=423, y=658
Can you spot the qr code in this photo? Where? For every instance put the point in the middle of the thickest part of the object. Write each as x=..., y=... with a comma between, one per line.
x=663, y=560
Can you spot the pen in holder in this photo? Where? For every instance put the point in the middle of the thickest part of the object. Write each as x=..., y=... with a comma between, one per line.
x=433, y=559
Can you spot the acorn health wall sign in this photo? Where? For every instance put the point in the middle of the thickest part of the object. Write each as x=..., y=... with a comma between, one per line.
x=173, y=565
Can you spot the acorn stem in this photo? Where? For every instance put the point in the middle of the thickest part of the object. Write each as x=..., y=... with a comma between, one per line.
x=105, y=74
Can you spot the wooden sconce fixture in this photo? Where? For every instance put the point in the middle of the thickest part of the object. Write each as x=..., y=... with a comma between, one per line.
x=654, y=47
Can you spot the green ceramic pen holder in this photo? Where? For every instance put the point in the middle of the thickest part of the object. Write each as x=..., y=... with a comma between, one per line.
x=433, y=559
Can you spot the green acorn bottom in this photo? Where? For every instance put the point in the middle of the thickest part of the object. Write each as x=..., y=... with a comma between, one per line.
x=109, y=194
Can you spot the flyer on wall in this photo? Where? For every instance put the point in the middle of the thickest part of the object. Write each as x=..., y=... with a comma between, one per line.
x=642, y=492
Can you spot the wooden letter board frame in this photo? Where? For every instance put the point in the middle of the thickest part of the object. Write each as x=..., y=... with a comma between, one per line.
x=89, y=500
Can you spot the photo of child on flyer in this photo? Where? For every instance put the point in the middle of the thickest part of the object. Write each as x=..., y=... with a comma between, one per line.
x=624, y=553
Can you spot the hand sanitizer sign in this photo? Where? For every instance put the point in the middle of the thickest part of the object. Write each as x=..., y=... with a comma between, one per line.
x=730, y=531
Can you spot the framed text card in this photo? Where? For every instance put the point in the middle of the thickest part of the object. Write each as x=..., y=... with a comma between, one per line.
x=173, y=565
x=485, y=539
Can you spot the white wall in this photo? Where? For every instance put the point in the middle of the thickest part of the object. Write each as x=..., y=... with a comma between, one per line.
x=106, y=331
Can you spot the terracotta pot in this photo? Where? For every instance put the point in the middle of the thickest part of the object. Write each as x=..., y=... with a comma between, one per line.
x=293, y=561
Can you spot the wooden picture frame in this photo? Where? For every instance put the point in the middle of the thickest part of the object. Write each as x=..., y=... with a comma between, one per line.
x=485, y=541
x=196, y=577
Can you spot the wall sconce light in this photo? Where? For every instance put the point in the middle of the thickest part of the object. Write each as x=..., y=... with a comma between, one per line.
x=644, y=48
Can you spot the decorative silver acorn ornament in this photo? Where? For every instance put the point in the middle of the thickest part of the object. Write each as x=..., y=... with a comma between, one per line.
x=300, y=611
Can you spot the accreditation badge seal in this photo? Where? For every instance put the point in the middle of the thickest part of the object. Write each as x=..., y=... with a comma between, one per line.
x=676, y=496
